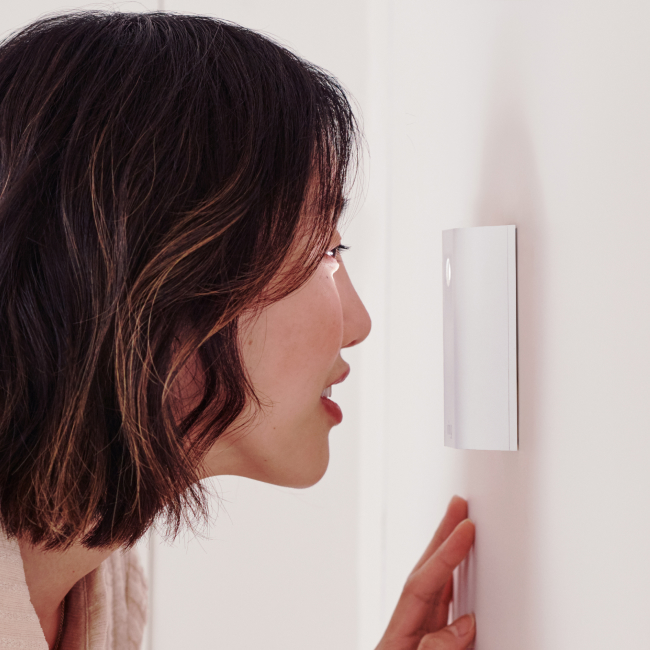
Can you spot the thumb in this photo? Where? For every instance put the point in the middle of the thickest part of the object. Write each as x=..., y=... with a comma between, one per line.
x=456, y=636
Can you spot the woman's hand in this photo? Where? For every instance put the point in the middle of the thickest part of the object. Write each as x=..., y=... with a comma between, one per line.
x=419, y=621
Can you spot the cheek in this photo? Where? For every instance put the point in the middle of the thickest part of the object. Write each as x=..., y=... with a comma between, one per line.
x=297, y=341
x=319, y=328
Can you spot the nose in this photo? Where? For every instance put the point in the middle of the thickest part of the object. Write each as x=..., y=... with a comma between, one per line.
x=356, y=319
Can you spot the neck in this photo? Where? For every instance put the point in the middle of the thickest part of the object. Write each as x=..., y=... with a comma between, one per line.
x=51, y=574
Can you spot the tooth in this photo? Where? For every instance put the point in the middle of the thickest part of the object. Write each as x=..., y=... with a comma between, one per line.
x=327, y=392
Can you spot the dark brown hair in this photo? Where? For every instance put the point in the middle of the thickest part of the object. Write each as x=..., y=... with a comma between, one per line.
x=155, y=171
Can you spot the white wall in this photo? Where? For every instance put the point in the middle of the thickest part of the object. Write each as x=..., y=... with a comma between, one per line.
x=534, y=114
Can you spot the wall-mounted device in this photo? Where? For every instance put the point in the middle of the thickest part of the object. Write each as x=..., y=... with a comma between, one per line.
x=479, y=281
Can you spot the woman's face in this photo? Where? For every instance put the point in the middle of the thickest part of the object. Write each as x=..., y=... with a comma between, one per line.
x=292, y=353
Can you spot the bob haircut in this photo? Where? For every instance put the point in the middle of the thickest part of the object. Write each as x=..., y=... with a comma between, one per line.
x=157, y=171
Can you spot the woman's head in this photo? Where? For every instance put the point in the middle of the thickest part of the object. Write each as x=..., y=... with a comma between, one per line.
x=168, y=184
x=292, y=354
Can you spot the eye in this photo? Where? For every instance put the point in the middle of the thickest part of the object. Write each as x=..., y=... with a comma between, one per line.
x=336, y=251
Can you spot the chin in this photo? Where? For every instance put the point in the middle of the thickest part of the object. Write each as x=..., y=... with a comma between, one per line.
x=308, y=482
x=307, y=476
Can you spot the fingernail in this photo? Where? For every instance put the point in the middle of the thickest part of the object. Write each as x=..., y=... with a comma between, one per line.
x=463, y=626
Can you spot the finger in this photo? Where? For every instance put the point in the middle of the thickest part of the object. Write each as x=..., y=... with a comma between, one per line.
x=456, y=636
x=456, y=512
x=424, y=587
x=448, y=593
x=432, y=576
x=439, y=616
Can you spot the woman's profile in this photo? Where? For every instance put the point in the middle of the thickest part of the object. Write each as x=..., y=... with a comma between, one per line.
x=173, y=306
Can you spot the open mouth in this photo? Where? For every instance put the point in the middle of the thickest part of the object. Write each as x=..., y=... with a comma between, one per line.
x=331, y=407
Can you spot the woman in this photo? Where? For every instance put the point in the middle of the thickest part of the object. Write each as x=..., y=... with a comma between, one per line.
x=173, y=306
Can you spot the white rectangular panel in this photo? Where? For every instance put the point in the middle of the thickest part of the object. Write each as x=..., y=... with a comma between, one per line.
x=479, y=278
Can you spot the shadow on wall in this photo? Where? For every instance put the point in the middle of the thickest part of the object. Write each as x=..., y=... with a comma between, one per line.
x=501, y=486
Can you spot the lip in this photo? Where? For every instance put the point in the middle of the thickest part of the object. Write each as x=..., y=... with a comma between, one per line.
x=343, y=377
x=333, y=409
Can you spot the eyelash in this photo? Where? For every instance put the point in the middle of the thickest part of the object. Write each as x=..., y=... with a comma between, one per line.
x=337, y=250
